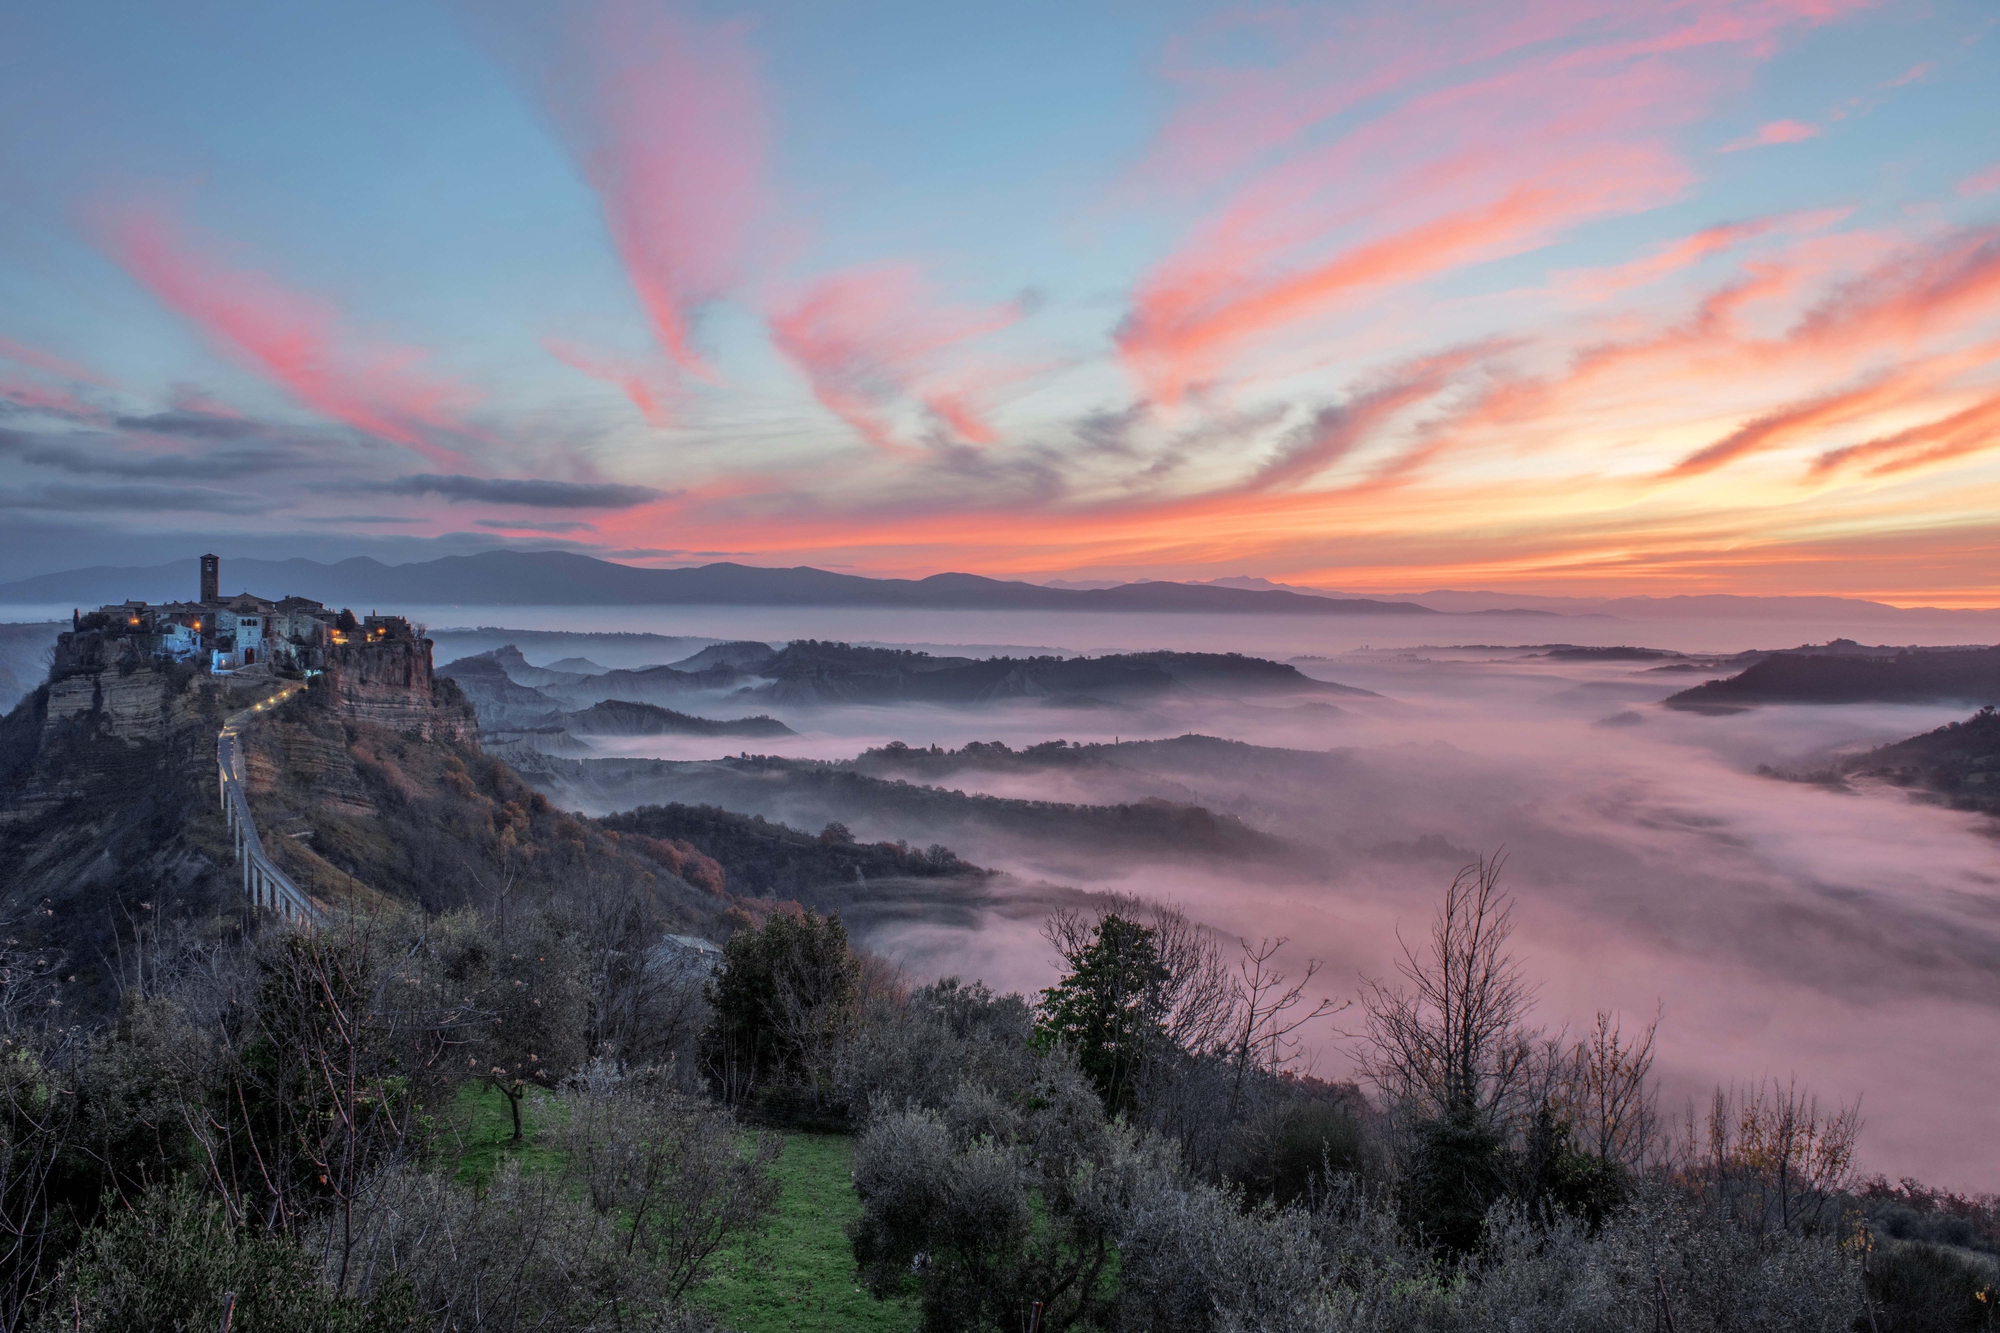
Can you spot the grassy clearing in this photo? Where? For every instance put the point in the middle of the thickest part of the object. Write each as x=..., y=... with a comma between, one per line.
x=800, y=1273
x=485, y=1131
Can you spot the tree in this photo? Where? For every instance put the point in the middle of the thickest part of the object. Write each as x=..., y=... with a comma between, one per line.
x=784, y=998
x=295, y=1094
x=166, y=1264
x=1771, y=1157
x=1452, y=1043
x=531, y=989
x=669, y=1165
x=1108, y=1008
x=1008, y=1220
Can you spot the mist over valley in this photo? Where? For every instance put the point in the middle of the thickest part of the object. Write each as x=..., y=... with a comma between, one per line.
x=1816, y=929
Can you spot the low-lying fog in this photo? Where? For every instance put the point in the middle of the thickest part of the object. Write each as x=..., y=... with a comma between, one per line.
x=1265, y=635
x=1783, y=928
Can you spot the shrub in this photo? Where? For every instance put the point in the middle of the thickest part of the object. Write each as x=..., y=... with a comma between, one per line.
x=165, y=1265
x=1295, y=1148
x=785, y=997
x=1919, y=1288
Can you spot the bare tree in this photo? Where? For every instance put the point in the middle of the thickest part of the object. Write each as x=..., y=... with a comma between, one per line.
x=1451, y=1039
x=304, y=1079
x=1267, y=1013
x=1771, y=1157
x=1606, y=1093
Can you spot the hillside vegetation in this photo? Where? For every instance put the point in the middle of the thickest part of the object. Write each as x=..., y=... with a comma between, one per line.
x=1910, y=676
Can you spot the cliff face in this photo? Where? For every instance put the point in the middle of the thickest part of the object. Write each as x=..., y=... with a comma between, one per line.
x=393, y=685
x=108, y=811
x=132, y=706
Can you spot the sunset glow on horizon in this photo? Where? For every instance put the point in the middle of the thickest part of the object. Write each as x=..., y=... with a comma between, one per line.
x=1572, y=297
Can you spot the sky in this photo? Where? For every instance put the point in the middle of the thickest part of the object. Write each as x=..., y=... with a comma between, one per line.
x=1570, y=297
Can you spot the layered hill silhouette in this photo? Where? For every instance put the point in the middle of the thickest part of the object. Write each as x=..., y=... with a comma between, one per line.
x=563, y=578
x=1958, y=763
x=1864, y=675
x=810, y=673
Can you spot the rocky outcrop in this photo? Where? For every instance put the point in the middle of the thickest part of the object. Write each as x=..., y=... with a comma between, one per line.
x=132, y=706
x=393, y=685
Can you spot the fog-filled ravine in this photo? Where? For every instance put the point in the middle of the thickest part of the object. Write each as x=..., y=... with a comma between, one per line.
x=1702, y=865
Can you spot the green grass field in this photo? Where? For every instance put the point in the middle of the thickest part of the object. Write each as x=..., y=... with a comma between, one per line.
x=484, y=1129
x=800, y=1273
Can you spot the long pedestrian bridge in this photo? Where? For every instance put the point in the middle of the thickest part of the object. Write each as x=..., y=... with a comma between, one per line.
x=267, y=887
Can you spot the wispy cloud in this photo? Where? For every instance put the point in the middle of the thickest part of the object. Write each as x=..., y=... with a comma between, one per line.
x=522, y=525
x=49, y=363
x=1773, y=133
x=1981, y=182
x=635, y=382
x=295, y=339
x=663, y=114
x=869, y=338
x=143, y=498
x=1370, y=150
x=528, y=492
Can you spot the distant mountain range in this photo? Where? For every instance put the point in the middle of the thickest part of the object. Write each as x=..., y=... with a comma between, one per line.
x=562, y=578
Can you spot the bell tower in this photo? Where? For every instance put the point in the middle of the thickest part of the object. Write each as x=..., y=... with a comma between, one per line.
x=211, y=578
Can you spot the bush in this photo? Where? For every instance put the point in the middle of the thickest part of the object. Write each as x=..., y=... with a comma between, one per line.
x=993, y=1207
x=1295, y=1149
x=165, y=1266
x=653, y=1183
x=1919, y=1288
x=785, y=998
x=919, y=1052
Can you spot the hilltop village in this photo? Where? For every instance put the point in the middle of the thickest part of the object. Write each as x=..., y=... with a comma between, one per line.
x=289, y=637
x=119, y=668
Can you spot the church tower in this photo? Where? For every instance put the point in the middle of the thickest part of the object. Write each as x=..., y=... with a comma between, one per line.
x=211, y=578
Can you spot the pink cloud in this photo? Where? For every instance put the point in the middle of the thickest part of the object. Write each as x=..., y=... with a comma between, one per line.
x=664, y=117
x=1795, y=420
x=294, y=339
x=48, y=363
x=1687, y=251
x=867, y=338
x=46, y=398
x=1378, y=148
x=1914, y=74
x=1925, y=289
x=1777, y=132
x=1984, y=182
x=632, y=380
x=1973, y=430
